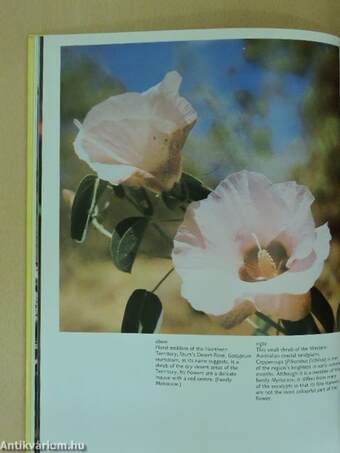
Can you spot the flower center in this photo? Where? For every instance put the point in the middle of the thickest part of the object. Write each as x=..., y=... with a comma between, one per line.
x=261, y=263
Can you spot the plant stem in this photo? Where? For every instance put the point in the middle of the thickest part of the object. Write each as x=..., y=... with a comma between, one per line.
x=252, y=323
x=271, y=322
x=162, y=232
x=255, y=326
x=101, y=228
x=154, y=225
x=163, y=279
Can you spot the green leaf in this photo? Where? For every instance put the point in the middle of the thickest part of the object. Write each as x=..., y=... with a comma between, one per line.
x=179, y=191
x=262, y=326
x=126, y=239
x=306, y=326
x=322, y=310
x=119, y=191
x=87, y=195
x=175, y=197
x=195, y=188
x=141, y=198
x=270, y=322
x=142, y=312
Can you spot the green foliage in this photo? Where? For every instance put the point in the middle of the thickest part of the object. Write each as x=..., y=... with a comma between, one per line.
x=233, y=141
x=261, y=141
x=142, y=312
x=187, y=190
x=322, y=310
x=280, y=55
x=126, y=240
x=263, y=327
x=119, y=191
x=141, y=199
x=306, y=326
x=87, y=195
x=83, y=84
x=194, y=187
x=171, y=201
x=321, y=101
x=270, y=323
x=251, y=104
x=320, y=116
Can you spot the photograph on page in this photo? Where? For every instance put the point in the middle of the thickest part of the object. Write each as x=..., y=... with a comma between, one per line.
x=199, y=187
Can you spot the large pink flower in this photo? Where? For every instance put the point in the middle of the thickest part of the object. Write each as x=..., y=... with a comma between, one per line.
x=137, y=138
x=251, y=240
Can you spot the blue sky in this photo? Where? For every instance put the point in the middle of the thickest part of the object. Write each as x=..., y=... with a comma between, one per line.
x=218, y=64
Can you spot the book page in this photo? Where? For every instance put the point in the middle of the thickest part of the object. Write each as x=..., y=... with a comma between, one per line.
x=190, y=242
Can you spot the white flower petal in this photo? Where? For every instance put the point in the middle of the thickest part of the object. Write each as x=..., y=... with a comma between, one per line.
x=146, y=131
x=165, y=102
x=248, y=200
x=298, y=233
x=168, y=86
x=208, y=290
x=203, y=241
x=117, y=108
x=209, y=246
x=116, y=174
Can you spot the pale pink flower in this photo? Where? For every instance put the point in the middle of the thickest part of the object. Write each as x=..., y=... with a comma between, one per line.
x=137, y=138
x=251, y=240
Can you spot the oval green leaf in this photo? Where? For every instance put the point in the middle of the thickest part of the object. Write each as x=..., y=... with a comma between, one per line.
x=142, y=313
x=88, y=193
x=195, y=188
x=126, y=239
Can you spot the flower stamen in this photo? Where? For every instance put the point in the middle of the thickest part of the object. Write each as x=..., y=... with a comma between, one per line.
x=265, y=263
x=257, y=241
